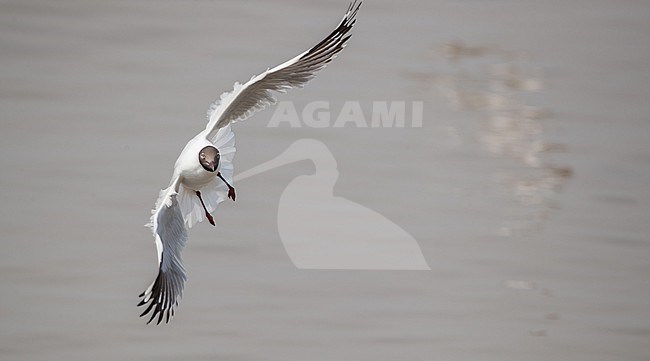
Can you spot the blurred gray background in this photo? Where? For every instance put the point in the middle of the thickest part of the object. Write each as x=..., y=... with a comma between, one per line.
x=527, y=187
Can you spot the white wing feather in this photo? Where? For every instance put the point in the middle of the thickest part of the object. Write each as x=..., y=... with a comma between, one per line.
x=170, y=233
x=255, y=95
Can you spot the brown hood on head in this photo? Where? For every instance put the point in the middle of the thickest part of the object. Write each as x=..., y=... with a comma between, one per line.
x=209, y=158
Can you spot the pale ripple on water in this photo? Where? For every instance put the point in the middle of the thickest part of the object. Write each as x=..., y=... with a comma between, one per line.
x=496, y=83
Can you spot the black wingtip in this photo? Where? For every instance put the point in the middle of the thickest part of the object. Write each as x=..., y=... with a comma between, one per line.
x=354, y=7
x=159, y=300
x=147, y=309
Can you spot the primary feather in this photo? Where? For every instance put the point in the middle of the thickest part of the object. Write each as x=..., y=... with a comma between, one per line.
x=170, y=233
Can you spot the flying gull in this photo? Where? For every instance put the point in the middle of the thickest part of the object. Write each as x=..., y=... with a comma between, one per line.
x=203, y=172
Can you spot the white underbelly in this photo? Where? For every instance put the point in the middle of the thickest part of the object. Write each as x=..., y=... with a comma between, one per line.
x=197, y=178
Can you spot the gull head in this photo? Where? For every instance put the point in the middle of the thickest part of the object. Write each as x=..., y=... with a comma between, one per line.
x=209, y=158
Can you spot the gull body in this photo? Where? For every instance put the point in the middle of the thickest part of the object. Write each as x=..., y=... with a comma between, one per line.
x=203, y=172
x=188, y=168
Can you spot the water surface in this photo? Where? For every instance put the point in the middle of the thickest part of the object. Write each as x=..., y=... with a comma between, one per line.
x=526, y=187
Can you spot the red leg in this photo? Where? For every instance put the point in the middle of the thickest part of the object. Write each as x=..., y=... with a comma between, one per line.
x=231, y=189
x=207, y=215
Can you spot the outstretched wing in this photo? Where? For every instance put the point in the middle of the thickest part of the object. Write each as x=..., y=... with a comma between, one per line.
x=170, y=233
x=255, y=95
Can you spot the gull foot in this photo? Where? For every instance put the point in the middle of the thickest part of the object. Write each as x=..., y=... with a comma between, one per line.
x=210, y=218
